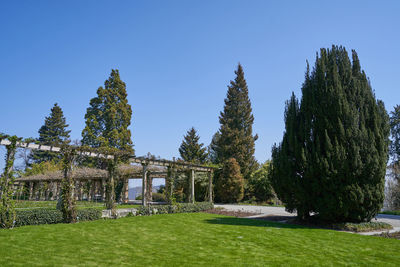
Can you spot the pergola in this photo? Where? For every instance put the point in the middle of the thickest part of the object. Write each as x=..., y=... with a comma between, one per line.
x=138, y=168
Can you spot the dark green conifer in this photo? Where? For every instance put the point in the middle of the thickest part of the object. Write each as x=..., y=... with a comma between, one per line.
x=333, y=155
x=395, y=133
x=109, y=116
x=191, y=150
x=236, y=138
x=230, y=183
x=53, y=132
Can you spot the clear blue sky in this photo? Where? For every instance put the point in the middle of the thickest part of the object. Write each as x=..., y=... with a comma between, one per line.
x=177, y=58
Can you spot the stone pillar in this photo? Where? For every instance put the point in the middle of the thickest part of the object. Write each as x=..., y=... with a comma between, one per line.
x=149, y=187
x=144, y=185
x=42, y=191
x=169, y=184
x=125, y=191
x=58, y=189
x=210, y=186
x=30, y=197
x=103, y=188
x=191, y=186
x=92, y=189
x=81, y=185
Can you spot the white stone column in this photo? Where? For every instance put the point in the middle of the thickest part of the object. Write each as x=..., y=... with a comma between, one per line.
x=144, y=185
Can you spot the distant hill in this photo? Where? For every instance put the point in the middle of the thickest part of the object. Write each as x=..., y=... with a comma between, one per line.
x=135, y=191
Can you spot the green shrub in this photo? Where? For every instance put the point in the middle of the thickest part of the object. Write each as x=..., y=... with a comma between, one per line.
x=178, y=208
x=38, y=216
x=159, y=197
x=51, y=216
x=363, y=227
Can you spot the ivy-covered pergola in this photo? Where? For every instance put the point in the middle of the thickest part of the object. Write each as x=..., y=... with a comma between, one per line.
x=69, y=182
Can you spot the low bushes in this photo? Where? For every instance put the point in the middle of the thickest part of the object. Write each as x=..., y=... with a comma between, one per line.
x=363, y=227
x=51, y=216
x=177, y=208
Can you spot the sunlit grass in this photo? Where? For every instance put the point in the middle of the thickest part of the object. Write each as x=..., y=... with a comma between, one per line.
x=190, y=240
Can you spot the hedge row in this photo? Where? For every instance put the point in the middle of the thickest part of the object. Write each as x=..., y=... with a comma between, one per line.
x=177, y=208
x=51, y=216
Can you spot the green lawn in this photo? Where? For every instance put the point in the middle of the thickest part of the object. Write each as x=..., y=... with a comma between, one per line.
x=190, y=240
x=23, y=204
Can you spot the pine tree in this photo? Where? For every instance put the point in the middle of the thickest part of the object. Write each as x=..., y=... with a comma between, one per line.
x=213, y=149
x=53, y=132
x=191, y=150
x=230, y=183
x=332, y=159
x=236, y=138
x=109, y=116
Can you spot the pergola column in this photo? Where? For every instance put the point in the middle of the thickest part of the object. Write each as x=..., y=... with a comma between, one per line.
x=144, y=185
x=80, y=192
x=149, y=188
x=125, y=191
x=210, y=186
x=103, y=189
x=58, y=186
x=92, y=189
x=169, y=184
x=30, y=190
x=191, y=186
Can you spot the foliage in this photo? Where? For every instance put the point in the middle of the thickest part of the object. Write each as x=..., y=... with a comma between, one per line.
x=230, y=183
x=7, y=210
x=159, y=197
x=108, y=118
x=363, y=227
x=213, y=149
x=52, y=216
x=175, y=208
x=191, y=150
x=68, y=207
x=53, y=132
x=188, y=238
x=333, y=155
x=259, y=185
x=43, y=167
x=395, y=133
x=235, y=138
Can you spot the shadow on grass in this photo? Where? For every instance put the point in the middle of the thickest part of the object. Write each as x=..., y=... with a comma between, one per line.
x=252, y=222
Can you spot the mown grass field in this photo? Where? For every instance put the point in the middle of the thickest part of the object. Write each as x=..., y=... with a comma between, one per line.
x=190, y=240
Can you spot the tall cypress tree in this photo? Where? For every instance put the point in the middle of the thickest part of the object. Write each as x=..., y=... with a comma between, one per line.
x=395, y=133
x=191, y=150
x=109, y=116
x=333, y=155
x=53, y=132
x=236, y=138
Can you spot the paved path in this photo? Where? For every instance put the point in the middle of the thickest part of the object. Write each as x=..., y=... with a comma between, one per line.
x=394, y=220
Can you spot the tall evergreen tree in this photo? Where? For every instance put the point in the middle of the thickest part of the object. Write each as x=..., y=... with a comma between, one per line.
x=236, y=138
x=191, y=150
x=53, y=132
x=333, y=155
x=230, y=183
x=395, y=132
x=109, y=116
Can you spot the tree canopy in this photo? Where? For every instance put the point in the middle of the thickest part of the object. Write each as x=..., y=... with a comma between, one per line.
x=332, y=159
x=53, y=132
x=235, y=138
x=109, y=116
x=191, y=150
